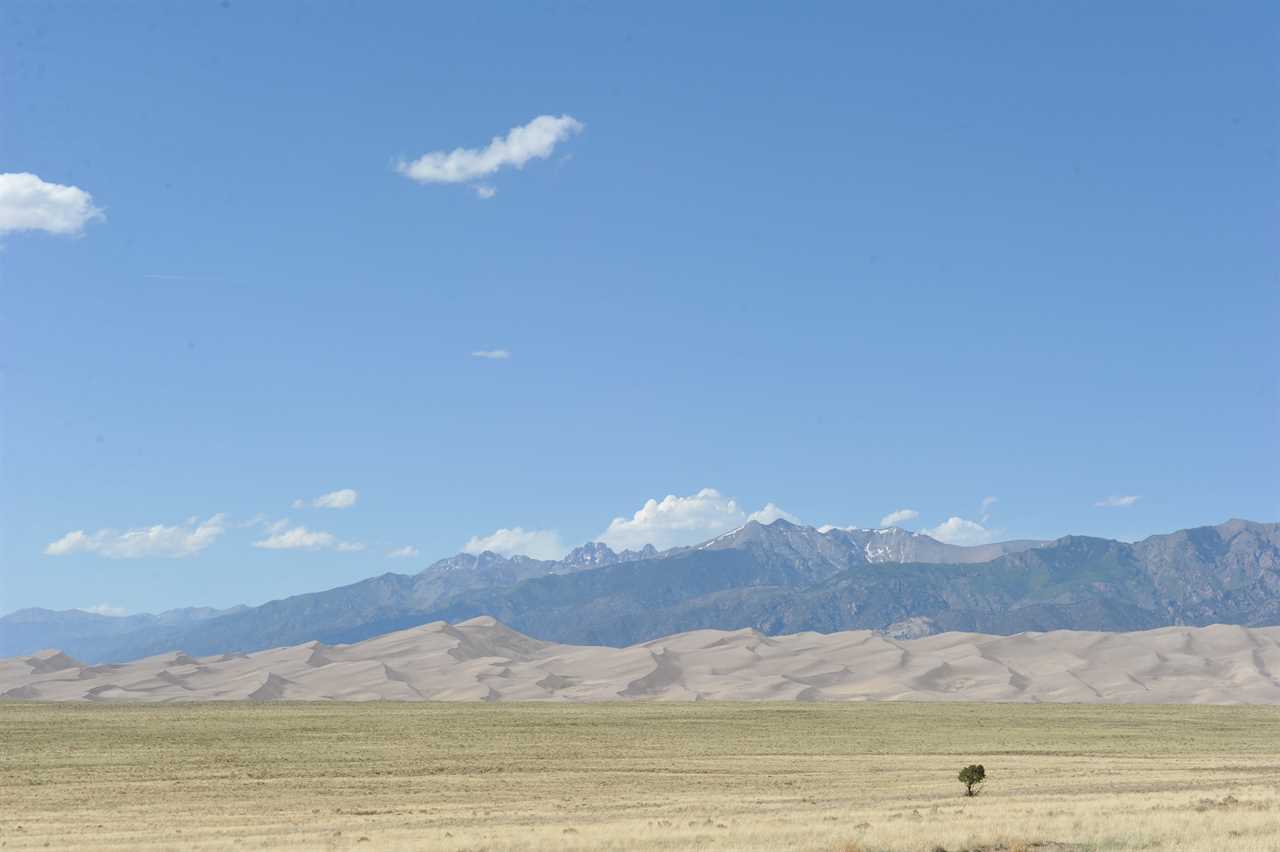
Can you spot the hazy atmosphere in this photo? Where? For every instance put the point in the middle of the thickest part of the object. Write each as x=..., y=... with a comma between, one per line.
x=295, y=294
x=825, y=427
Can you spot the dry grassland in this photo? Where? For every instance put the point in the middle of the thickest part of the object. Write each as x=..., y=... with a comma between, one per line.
x=629, y=776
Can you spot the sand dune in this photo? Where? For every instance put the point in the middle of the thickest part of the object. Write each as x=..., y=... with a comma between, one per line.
x=482, y=660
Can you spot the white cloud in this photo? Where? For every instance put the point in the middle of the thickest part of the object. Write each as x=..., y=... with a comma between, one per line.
x=960, y=531
x=539, y=544
x=284, y=537
x=406, y=552
x=344, y=498
x=492, y=354
x=537, y=139
x=1118, y=502
x=675, y=521
x=162, y=541
x=28, y=203
x=670, y=522
x=770, y=513
x=485, y=191
x=107, y=609
x=297, y=538
x=901, y=516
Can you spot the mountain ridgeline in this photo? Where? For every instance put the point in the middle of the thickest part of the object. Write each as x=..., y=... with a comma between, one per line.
x=779, y=578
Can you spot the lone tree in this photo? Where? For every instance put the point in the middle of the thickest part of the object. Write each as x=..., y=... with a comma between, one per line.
x=972, y=777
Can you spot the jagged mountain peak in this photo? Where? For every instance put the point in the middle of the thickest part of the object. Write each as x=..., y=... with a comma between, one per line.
x=845, y=546
x=751, y=531
x=589, y=550
x=591, y=554
x=486, y=559
x=842, y=546
x=770, y=577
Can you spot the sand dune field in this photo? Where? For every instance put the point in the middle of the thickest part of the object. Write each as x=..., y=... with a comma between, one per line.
x=482, y=660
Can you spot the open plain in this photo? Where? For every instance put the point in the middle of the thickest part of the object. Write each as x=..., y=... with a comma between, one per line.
x=637, y=775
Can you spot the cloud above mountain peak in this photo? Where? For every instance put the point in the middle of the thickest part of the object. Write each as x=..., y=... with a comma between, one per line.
x=517, y=541
x=675, y=521
x=899, y=517
x=772, y=512
x=956, y=530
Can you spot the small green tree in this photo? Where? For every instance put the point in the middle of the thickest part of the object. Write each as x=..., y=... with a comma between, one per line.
x=972, y=777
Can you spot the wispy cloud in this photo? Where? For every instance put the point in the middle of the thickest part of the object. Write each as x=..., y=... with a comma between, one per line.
x=985, y=509
x=406, y=552
x=283, y=537
x=901, y=516
x=343, y=498
x=535, y=140
x=485, y=191
x=107, y=609
x=1117, y=501
x=28, y=203
x=539, y=544
x=169, y=542
x=492, y=354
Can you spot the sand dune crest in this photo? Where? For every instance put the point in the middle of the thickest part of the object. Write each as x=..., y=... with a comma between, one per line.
x=484, y=660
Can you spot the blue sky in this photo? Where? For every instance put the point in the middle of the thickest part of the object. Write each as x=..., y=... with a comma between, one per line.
x=847, y=261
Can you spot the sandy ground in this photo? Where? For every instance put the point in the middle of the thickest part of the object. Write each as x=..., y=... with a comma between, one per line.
x=635, y=775
x=482, y=660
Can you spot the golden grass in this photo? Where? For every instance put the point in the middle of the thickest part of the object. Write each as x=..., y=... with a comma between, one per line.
x=631, y=776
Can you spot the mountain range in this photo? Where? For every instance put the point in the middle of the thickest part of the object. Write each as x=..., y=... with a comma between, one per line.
x=776, y=578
